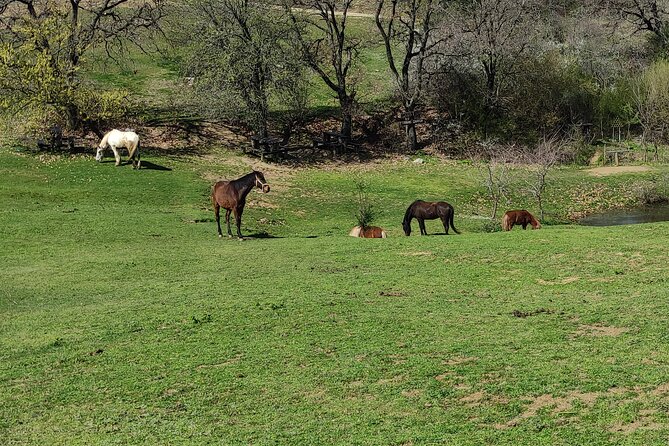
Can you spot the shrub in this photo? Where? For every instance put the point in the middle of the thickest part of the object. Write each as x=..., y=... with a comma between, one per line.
x=365, y=214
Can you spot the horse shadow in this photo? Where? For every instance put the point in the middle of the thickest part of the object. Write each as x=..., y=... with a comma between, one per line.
x=261, y=235
x=152, y=166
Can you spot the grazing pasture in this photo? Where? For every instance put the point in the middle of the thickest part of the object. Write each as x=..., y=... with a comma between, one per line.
x=125, y=320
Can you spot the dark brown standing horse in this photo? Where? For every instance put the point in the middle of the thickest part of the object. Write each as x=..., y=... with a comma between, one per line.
x=425, y=210
x=231, y=196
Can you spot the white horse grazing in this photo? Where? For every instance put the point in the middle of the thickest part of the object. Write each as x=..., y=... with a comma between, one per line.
x=116, y=139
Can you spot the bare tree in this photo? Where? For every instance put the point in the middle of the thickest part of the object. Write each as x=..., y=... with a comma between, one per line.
x=408, y=31
x=81, y=25
x=646, y=16
x=320, y=28
x=497, y=33
x=495, y=166
x=540, y=161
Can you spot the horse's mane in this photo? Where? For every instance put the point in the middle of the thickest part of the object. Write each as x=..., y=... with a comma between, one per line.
x=407, y=214
x=103, y=143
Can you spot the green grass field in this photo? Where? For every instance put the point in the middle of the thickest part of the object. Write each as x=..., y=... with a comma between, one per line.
x=125, y=320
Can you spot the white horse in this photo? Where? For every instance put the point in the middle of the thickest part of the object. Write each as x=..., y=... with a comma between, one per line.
x=116, y=139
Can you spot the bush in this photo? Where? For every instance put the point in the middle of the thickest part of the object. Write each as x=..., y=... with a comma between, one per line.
x=491, y=226
x=365, y=214
x=652, y=192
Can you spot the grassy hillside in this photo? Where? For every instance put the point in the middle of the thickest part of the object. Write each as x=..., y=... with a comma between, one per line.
x=125, y=320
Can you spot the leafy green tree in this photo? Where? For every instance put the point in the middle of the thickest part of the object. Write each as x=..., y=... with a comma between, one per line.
x=43, y=43
x=242, y=61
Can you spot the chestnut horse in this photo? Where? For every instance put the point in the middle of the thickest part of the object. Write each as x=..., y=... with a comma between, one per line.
x=368, y=232
x=519, y=217
x=426, y=210
x=231, y=196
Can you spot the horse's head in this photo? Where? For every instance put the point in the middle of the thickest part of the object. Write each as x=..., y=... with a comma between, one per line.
x=406, y=225
x=98, y=154
x=261, y=183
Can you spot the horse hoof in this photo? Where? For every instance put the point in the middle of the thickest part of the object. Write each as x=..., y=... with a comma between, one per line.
x=220, y=236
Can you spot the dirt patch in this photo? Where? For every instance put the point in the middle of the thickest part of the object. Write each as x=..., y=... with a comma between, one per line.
x=444, y=376
x=644, y=423
x=473, y=399
x=558, y=405
x=390, y=381
x=613, y=170
x=565, y=281
x=460, y=360
x=418, y=253
x=412, y=393
x=599, y=331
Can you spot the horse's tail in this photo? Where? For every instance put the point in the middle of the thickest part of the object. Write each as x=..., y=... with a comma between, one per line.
x=506, y=222
x=450, y=221
x=134, y=150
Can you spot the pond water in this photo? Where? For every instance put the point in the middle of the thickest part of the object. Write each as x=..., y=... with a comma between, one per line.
x=646, y=214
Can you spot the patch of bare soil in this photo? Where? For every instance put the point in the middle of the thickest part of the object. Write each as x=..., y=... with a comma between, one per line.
x=564, y=281
x=558, y=405
x=390, y=381
x=645, y=422
x=473, y=399
x=412, y=393
x=418, y=253
x=599, y=331
x=613, y=170
x=457, y=360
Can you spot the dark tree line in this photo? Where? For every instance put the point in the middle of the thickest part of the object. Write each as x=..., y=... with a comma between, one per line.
x=500, y=69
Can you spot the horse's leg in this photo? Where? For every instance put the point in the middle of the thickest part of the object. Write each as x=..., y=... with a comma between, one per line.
x=134, y=156
x=238, y=220
x=444, y=220
x=524, y=226
x=227, y=221
x=116, y=155
x=217, y=213
x=421, y=223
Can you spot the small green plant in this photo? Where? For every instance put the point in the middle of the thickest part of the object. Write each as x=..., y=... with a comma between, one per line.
x=491, y=226
x=365, y=214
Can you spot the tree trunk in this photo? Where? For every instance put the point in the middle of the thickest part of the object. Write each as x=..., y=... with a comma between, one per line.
x=412, y=138
x=346, y=104
x=73, y=117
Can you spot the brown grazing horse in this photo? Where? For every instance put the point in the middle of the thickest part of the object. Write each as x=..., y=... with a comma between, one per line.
x=231, y=196
x=519, y=217
x=425, y=210
x=368, y=232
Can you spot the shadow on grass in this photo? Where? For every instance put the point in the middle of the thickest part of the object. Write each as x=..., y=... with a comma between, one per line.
x=260, y=235
x=152, y=166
